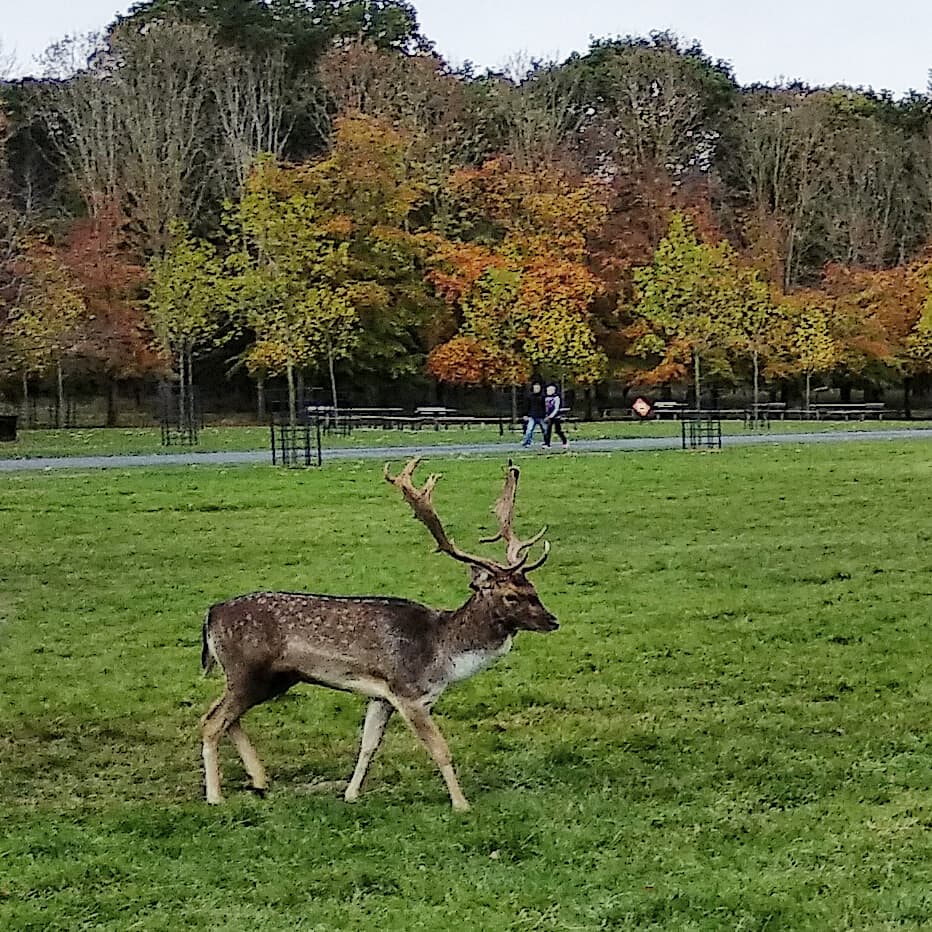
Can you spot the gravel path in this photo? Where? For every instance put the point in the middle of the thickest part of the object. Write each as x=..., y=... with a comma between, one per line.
x=231, y=458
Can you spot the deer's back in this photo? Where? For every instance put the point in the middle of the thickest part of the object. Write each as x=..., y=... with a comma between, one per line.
x=321, y=638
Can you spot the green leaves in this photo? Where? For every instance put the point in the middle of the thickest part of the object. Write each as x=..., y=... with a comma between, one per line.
x=188, y=295
x=696, y=298
x=44, y=320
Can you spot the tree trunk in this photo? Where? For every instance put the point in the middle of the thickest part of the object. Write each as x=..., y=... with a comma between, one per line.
x=190, y=412
x=756, y=359
x=808, y=389
x=60, y=386
x=260, y=399
x=696, y=371
x=111, y=403
x=907, y=401
x=333, y=387
x=25, y=398
x=514, y=404
x=292, y=413
x=182, y=389
x=299, y=390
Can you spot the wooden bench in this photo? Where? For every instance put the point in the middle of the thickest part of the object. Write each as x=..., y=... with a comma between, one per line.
x=847, y=411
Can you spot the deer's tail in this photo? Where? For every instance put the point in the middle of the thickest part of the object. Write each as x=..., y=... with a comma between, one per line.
x=207, y=655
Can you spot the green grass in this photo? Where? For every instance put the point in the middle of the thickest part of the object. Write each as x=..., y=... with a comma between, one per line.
x=731, y=730
x=108, y=442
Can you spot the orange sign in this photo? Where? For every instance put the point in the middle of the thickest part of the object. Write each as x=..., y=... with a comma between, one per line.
x=641, y=407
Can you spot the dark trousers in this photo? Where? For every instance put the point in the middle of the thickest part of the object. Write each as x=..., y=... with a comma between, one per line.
x=549, y=427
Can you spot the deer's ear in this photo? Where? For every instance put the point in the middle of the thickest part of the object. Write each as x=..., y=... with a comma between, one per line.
x=480, y=578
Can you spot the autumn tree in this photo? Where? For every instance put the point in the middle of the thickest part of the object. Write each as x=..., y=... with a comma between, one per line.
x=695, y=301
x=45, y=317
x=757, y=329
x=517, y=278
x=876, y=314
x=371, y=196
x=812, y=349
x=288, y=266
x=187, y=305
x=113, y=339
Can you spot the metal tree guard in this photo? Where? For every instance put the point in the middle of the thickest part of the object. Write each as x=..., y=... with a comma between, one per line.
x=295, y=444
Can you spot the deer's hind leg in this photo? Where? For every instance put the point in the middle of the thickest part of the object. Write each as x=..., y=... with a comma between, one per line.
x=223, y=718
x=249, y=756
x=378, y=712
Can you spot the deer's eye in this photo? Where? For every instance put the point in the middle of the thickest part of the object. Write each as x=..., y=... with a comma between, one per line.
x=510, y=599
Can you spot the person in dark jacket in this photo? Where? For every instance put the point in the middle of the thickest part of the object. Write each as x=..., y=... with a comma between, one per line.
x=534, y=417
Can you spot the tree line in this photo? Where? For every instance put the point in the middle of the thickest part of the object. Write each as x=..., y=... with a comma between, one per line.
x=306, y=189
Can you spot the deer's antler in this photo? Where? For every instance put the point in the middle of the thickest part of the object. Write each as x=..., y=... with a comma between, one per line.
x=420, y=501
x=516, y=550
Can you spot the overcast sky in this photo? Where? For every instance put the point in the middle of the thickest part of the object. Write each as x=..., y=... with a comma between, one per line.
x=857, y=42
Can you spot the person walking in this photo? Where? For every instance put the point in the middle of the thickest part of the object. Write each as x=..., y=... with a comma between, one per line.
x=552, y=421
x=534, y=417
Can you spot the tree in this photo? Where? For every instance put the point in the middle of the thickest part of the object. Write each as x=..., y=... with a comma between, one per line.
x=812, y=348
x=695, y=300
x=781, y=152
x=45, y=317
x=113, y=338
x=188, y=297
x=288, y=265
x=302, y=29
x=519, y=284
x=135, y=128
x=371, y=198
x=651, y=104
x=251, y=93
x=758, y=327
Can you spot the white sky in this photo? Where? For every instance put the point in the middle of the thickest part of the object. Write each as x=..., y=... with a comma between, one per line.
x=858, y=42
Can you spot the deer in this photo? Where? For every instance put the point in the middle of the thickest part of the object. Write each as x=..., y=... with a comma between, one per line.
x=399, y=654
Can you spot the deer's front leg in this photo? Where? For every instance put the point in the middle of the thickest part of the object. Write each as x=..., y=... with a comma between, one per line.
x=418, y=717
x=378, y=712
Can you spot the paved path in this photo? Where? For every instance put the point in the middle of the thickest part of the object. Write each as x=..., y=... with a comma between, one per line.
x=231, y=458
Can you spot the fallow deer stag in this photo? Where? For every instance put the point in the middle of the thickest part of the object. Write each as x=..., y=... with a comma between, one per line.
x=400, y=654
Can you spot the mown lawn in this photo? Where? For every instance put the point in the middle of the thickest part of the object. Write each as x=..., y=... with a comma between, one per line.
x=731, y=730
x=130, y=440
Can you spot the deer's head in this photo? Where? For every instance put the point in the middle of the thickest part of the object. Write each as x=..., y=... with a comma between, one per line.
x=505, y=589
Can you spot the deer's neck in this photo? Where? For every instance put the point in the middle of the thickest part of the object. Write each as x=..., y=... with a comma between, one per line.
x=475, y=638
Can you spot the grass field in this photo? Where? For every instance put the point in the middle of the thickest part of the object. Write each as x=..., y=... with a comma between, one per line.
x=731, y=730
x=107, y=442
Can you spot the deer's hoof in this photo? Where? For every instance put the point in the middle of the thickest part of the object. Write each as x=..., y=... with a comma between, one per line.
x=351, y=796
x=460, y=805
x=214, y=800
x=260, y=791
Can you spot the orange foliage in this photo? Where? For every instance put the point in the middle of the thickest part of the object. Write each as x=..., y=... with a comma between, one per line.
x=465, y=360
x=115, y=335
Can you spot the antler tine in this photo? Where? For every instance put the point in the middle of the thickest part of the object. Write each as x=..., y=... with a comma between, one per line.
x=541, y=560
x=516, y=549
x=421, y=504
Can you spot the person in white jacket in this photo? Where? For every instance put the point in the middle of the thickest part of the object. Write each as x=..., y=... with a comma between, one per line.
x=552, y=405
